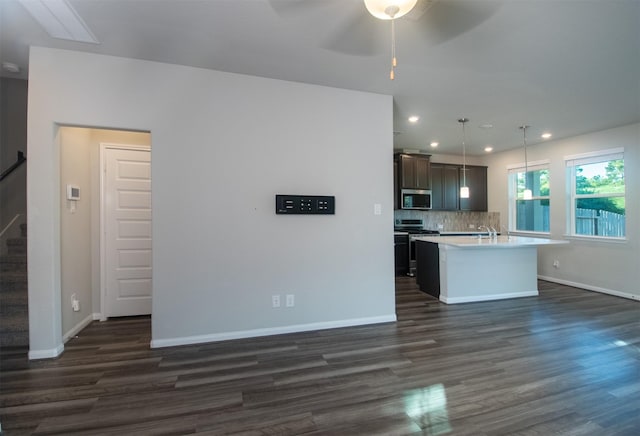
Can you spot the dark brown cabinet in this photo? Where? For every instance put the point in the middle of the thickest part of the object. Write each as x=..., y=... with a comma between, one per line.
x=401, y=245
x=428, y=267
x=444, y=187
x=446, y=181
x=414, y=171
x=477, y=183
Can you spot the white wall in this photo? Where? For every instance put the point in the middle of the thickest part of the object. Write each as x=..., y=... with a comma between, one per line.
x=223, y=146
x=610, y=267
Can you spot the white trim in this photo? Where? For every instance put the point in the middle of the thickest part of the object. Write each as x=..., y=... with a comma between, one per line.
x=589, y=156
x=591, y=238
x=80, y=326
x=216, y=337
x=46, y=354
x=590, y=288
x=475, y=298
x=531, y=166
x=531, y=234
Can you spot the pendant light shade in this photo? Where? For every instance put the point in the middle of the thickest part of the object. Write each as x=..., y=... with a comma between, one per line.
x=464, y=189
x=389, y=9
x=527, y=194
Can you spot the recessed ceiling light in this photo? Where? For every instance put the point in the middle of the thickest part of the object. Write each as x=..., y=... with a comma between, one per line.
x=434, y=144
x=546, y=135
x=488, y=148
x=414, y=118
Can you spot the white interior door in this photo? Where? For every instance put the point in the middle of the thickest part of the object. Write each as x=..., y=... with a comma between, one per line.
x=127, y=232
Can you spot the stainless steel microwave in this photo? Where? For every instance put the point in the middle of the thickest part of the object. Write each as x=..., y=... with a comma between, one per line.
x=415, y=199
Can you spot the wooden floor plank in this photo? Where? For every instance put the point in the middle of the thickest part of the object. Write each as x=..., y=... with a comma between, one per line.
x=564, y=363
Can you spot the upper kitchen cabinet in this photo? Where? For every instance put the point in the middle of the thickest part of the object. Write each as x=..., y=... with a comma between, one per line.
x=444, y=187
x=477, y=183
x=414, y=171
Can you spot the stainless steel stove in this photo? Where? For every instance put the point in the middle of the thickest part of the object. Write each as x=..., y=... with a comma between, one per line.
x=415, y=228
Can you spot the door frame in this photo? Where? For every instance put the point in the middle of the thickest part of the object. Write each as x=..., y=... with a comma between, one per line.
x=103, y=228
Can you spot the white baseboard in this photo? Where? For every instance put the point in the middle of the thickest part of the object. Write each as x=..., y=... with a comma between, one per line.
x=81, y=325
x=46, y=354
x=474, y=298
x=591, y=288
x=159, y=343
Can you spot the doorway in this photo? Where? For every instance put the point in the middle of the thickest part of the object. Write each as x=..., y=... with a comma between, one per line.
x=126, y=237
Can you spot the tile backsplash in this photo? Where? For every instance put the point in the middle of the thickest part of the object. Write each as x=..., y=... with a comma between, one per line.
x=452, y=221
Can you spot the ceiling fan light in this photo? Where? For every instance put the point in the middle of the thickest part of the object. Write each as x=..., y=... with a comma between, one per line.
x=384, y=9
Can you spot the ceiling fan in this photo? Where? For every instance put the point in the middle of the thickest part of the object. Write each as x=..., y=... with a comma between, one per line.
x=352, y=29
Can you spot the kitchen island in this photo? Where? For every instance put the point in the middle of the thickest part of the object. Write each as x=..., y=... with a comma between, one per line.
x=462, y=269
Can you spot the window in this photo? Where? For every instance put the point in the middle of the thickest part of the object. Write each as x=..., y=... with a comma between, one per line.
x=529, y=215
x=596, y=205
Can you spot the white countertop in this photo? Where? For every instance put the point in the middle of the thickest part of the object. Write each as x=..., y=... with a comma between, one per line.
x=502, y=241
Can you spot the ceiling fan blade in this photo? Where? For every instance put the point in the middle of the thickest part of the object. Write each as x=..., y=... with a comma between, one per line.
x=448, y=19
x=294, y=8
x=360, y=35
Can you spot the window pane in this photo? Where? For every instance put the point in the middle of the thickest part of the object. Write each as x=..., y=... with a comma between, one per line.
x=537, y=181
x=600, y=177
x=532, y=215
x=600, y=216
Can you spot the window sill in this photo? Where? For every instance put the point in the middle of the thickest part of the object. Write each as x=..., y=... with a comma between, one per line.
x=531, y=234
x=603, y=239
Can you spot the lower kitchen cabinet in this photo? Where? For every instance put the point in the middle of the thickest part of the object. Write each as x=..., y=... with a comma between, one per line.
x=428, y=268
x=401, y=245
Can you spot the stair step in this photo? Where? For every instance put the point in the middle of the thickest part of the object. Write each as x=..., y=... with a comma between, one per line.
x=17, y=245
x=13, y=296
x=13, y=281
x=13, y=262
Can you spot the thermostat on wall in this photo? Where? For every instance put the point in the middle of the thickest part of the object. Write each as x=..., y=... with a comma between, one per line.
x=73, y=192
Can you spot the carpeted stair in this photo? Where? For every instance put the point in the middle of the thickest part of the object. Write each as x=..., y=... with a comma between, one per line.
x=14, y=314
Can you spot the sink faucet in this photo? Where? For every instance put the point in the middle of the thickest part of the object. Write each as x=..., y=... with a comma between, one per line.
x=487, y=229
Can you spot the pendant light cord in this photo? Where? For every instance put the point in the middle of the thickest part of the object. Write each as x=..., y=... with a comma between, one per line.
x=464, y=151
x=394, y=62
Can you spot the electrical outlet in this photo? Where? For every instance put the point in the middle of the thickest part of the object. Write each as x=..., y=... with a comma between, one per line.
x=440, y=226
x=75, y=303
x=290, y=301
x=472, y=226
x=275, y=301
x=556, y=263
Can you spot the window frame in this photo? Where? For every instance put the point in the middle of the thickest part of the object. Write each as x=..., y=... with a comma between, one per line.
x=571, y=163
x=512, y=176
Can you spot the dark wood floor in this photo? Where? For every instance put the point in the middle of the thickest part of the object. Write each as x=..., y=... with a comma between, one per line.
x=564, y=363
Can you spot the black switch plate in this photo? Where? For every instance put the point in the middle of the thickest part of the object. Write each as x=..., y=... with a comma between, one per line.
x=305, y=204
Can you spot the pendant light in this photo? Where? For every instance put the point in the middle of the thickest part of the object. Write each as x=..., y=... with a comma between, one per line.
x=390, y=10
x=464, y=189
x=527, y=194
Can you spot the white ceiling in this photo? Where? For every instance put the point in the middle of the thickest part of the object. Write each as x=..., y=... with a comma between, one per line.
x=565, y=66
